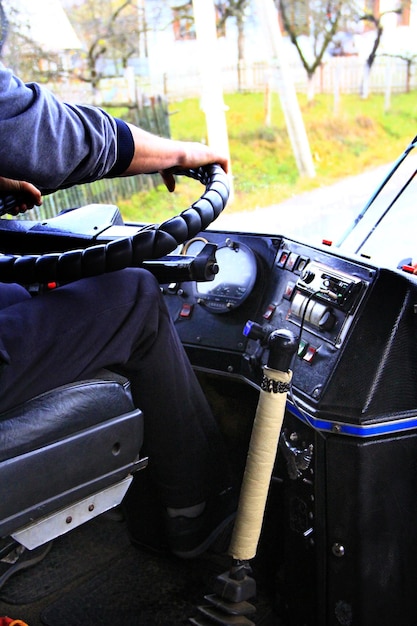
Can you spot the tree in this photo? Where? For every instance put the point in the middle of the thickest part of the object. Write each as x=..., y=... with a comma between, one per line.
x=110, y=33
x=235, y=9
x=4, y=26
x=294, y=121
x=311, y=27
x=376, y=21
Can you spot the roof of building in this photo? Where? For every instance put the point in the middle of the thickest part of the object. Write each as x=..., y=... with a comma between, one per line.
x=47, y=21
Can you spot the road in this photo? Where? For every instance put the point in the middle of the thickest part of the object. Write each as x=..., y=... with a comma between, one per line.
x=324, y=213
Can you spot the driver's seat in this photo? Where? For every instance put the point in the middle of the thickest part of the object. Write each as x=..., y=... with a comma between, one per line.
x=67, y=456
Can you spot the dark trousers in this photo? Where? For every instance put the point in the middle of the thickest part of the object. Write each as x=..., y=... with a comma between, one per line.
x=119, y=321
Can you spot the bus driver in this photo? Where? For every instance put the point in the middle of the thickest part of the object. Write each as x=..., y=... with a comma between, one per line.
x=117, y=320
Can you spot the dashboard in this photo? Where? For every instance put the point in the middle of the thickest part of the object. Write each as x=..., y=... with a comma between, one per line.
x=344, y=312
x=355, y=322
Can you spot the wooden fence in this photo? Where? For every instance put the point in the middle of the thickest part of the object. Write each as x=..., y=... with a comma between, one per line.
x=344, y=74
x=106, y=191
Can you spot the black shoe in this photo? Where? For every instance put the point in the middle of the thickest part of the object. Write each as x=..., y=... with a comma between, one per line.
x=188, y=537
x=19, y=558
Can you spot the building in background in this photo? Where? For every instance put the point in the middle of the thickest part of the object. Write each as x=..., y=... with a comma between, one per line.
x=40, y=35
x=167, y=59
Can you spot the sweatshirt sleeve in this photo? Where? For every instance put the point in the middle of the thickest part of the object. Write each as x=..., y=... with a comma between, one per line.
x=54, y=144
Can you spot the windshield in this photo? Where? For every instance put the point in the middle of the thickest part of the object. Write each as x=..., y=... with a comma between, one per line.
x=384, y=231
x=371, y=215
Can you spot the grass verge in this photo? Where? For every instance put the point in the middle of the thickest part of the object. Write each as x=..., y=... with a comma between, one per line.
x=358, y=136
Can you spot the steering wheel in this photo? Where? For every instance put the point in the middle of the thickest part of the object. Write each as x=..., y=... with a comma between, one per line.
x=152, y=242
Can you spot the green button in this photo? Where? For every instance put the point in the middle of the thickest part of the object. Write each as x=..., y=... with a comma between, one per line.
x=302, y=348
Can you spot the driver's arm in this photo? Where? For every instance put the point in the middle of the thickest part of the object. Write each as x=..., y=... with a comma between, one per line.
x=56, y=144
x=152, y=153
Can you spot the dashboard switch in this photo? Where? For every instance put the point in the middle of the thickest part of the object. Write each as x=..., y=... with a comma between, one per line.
x=283, y=258
x=302, y=348
x=270, y=310
x=310, y=353
x=291, y=262
x=289, y=290
x=186, y=310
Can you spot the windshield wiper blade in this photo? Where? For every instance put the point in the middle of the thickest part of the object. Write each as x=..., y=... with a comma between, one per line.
x=387, y=210
x=376, y=193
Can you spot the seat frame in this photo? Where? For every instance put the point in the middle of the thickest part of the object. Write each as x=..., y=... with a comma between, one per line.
x=67, y=456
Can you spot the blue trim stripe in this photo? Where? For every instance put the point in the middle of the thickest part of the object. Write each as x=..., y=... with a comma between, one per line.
x=354, y=430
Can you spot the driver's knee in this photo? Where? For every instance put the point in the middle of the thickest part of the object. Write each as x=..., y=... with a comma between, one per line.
x=11, y=293
x=130, y=285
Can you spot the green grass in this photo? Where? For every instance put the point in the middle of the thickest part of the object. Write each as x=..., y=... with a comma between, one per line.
x=360, y=136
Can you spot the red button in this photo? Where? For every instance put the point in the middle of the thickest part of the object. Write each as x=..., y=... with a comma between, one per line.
x=186, y=310
x=292, y=260
x=289, y=289
x=283, y=258
x=269, y=311
x=310, y=354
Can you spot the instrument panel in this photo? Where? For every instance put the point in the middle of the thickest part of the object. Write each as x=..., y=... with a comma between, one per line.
x=340, y=310
x=355, y=323
x=278, y=284
x=235, y=279
x=210, y=316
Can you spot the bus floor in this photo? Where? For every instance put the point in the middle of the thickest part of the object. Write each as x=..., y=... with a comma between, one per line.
x=94, y=576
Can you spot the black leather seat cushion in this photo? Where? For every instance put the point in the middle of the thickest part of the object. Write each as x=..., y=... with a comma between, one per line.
x=60, y=412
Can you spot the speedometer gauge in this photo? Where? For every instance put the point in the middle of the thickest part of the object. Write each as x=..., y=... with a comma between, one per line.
x=234, y=281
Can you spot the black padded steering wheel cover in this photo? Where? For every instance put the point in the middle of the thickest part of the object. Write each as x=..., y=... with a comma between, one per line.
x=151, y=243
x=7, y=264
x=94, y=260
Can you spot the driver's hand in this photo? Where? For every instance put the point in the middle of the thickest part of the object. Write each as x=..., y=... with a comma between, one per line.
x=196, y=155
x=27, y=195
x=169, y=178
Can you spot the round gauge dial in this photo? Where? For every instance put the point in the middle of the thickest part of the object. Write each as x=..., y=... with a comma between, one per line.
x=234, y=281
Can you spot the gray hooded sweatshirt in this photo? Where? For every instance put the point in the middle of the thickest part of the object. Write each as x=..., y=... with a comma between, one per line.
x=54, y=144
